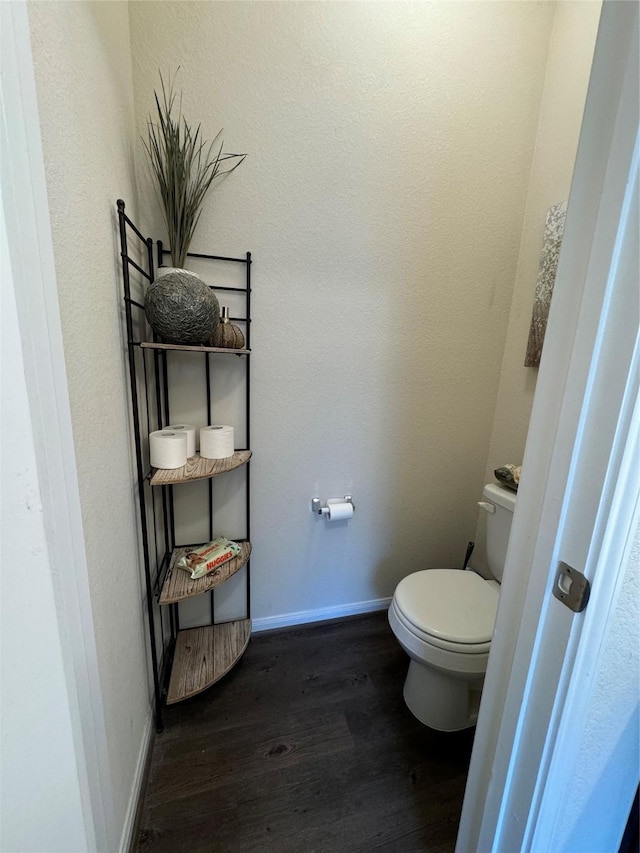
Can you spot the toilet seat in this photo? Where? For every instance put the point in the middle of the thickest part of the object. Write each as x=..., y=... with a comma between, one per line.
x=450, y=609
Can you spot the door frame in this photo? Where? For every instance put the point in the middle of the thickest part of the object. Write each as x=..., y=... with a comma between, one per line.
x=32, y=264
x=509, y=775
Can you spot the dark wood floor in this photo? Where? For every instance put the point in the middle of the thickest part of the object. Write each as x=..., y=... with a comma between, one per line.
x=306, y=746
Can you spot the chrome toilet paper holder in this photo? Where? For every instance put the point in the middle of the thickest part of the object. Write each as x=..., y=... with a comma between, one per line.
x=323, y=510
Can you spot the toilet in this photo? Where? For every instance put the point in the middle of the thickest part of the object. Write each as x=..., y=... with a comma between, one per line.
x=444, y=620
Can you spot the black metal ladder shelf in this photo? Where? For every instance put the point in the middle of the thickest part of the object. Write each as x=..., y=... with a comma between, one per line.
x=184, y=661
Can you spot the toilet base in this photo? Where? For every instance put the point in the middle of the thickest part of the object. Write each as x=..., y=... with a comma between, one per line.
x=440, y=700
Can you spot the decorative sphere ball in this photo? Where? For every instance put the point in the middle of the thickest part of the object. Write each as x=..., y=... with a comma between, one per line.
x=181, y=308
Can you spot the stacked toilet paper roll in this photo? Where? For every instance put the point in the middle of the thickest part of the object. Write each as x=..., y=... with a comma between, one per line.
x=216, y=442
x=190, y=431
x=167, y=449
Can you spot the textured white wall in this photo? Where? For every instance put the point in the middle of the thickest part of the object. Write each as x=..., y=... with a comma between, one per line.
x=83, y=77
x=575, y=25
x=573, y=37
x=390, y=147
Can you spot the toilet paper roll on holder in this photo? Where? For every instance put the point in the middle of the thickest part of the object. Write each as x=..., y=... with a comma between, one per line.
x=324, y=510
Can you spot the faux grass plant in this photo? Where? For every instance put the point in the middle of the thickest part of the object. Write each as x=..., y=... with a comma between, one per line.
x=184, y=167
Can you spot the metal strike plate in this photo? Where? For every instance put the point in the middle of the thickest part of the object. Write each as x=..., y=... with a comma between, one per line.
x=571, y=587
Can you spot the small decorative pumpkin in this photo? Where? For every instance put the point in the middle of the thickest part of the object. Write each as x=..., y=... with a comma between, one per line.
x=226, y=334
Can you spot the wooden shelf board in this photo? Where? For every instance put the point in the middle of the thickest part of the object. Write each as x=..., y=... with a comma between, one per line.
x=178, y=584
x=204, y=655
x=194, y=348
x=198, y=468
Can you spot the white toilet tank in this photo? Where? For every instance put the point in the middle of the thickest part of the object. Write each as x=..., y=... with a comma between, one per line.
x=498, y=525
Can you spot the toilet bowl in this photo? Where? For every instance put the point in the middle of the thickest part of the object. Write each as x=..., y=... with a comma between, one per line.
x=444, y=621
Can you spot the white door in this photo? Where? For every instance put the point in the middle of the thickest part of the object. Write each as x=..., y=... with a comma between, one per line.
x=555, y=762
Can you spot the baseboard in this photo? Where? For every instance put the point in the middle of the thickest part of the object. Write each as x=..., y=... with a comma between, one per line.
x=138, y=787
x=321, y=614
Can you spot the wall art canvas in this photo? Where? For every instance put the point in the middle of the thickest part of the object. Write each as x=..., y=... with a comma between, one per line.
x=551, y=242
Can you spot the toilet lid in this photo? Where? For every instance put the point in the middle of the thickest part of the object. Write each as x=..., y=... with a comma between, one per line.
x=450, y=604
